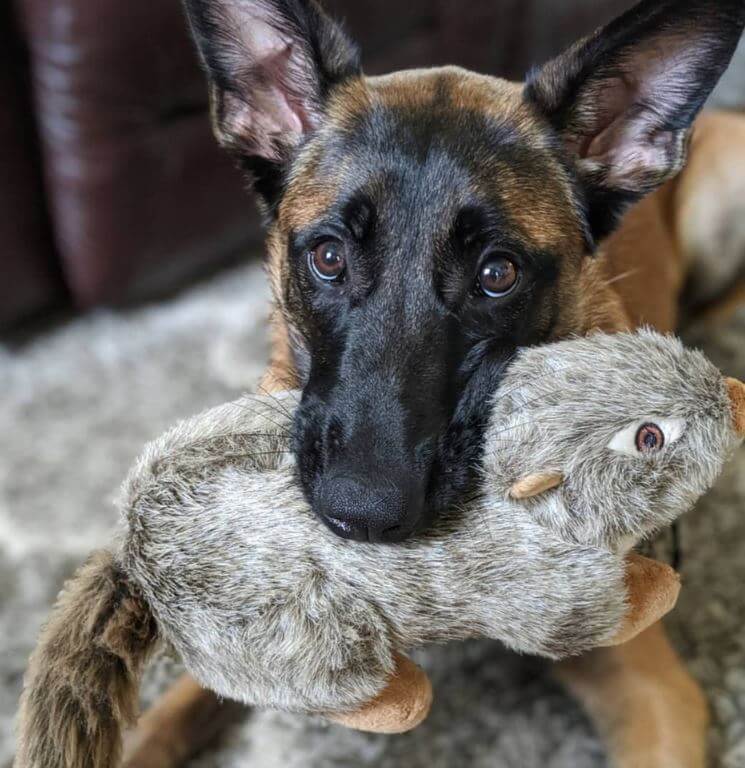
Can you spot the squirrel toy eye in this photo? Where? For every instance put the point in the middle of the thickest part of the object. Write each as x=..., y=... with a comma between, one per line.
x=647, y=437
x=650, y=438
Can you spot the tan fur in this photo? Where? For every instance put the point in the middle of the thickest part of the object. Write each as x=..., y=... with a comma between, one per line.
x=466, y=90
x=417, y=88
x=643, y=701
x=537, y=208
x=653, y=590
x=645, y=262
x=281, y=374
x=600, y=307
x=309, y=195
x=534, y=485
x=186, y=719
x=82, y=684
x=346, y=104
x=737, y=396
x=403, y=705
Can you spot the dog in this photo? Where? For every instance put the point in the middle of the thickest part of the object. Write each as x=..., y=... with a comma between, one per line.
x=424, y=225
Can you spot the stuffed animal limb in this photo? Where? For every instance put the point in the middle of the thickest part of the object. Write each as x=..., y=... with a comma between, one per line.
x=404, y=703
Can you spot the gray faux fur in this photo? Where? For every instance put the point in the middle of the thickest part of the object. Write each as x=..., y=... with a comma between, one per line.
x=266, y=606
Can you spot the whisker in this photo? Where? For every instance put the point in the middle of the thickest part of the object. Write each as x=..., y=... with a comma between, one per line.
x=544, y=374
x=250, y=454
x=244, y=435
x=511, y=427
x=280, y=405
x=622, y=276
x=269, y=435
x=277, y=452
x=484, y=520
x=254, y=412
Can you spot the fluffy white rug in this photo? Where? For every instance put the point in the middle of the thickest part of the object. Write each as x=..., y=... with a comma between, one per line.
x=79, y=402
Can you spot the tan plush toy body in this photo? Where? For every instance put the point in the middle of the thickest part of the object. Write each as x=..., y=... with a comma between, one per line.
x=593, y=444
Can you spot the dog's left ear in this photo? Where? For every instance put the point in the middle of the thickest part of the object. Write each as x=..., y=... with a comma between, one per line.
x=624, y=99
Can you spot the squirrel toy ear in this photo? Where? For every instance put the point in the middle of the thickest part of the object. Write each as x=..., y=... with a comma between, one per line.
x=535, y=484
x=736, y=390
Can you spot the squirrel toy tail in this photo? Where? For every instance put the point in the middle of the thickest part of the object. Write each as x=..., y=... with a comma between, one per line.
x=82, y=684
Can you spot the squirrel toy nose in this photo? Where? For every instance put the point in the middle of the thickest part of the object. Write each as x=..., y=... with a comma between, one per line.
x=736, y=391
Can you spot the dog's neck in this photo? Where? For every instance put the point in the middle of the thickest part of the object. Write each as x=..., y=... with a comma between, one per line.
x=600, y=303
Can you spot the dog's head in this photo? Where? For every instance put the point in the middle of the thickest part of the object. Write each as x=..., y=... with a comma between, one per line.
x=425, y=224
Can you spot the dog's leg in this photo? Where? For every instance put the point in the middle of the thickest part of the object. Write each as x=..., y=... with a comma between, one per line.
x=690, y=232
x=182, y=722
x=643, y=701
x=709, y=208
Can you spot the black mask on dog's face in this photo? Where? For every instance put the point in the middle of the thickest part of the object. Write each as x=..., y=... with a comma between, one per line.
x=407, y=302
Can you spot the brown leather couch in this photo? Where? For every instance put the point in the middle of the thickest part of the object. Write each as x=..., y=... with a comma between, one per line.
x=112, y=184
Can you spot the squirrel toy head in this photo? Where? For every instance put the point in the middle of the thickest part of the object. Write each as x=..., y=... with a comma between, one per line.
x=608, y=438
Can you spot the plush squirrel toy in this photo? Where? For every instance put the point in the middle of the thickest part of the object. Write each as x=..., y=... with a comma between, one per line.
x=593, y=444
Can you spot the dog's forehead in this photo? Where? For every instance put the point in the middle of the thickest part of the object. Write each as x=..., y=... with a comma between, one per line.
x=454, y=137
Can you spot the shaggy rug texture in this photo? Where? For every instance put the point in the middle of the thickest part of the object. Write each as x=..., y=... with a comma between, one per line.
x=79, y=402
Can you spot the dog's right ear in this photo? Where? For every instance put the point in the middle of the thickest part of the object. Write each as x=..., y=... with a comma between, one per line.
x=623, y=100
x=271, y=65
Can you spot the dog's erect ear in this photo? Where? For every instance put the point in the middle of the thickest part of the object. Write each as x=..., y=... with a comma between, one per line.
x=624, y=98
x=270, y=65
x=535, y=484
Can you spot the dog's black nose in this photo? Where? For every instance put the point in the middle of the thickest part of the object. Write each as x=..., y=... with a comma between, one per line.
x=357, y=508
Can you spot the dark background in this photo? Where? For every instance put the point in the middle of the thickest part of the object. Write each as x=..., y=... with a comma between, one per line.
x=112, y=186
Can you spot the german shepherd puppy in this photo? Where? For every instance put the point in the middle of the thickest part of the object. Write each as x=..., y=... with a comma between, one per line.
x=422, y=227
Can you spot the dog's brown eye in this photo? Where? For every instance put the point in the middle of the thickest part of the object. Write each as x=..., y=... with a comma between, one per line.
x=498, y=276
x=328, y=261
x=650, y=438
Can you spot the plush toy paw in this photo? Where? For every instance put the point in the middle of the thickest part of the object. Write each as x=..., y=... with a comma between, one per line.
x=652, y=589
x=401, y=706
